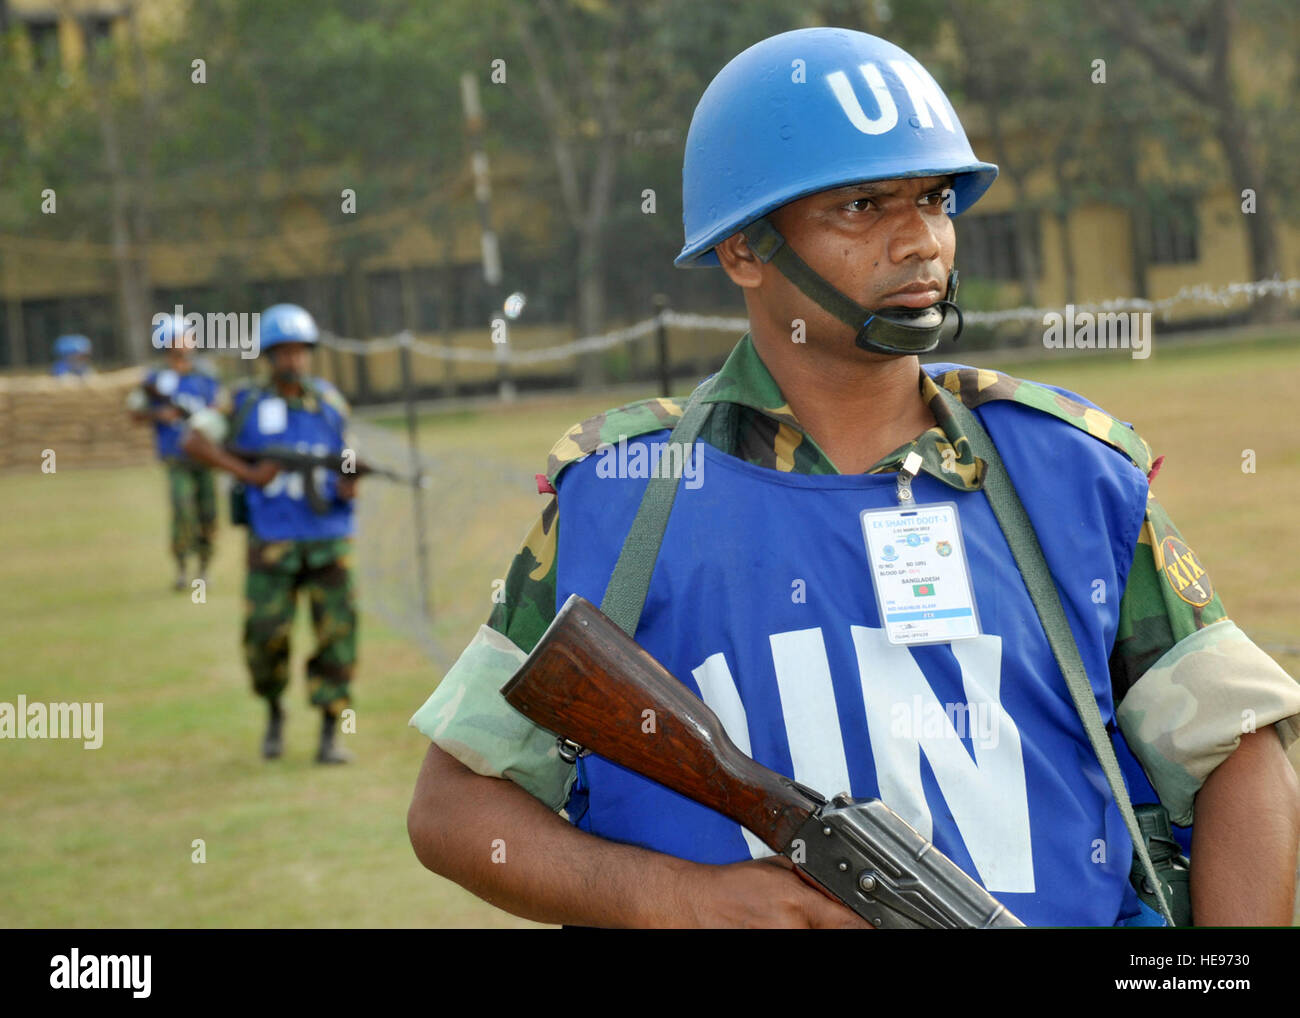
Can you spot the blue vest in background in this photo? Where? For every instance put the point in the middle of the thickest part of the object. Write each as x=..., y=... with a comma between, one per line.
x=192, y=390
x=65, y=367
x=762, y=602
x=280, y=511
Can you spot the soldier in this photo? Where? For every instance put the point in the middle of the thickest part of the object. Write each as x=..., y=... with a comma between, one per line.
x=72, y=356
x=300, y=524
x=828, y=200
x=167, y=398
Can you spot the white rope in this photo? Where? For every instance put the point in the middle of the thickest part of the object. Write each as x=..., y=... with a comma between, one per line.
x=714, y=322
x=1200, y=293
x=504, y=353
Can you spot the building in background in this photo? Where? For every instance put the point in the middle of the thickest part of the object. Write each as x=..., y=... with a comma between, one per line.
x=415, y=265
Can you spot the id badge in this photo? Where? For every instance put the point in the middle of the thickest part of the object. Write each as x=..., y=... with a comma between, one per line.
x=921, y=575
x=272, y=416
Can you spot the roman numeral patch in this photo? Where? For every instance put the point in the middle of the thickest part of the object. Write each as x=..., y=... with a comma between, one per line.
x=1185, y=573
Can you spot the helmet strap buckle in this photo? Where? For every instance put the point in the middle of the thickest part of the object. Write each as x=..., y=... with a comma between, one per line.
x=909, y=331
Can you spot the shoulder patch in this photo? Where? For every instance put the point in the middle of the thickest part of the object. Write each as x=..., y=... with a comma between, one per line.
x=976, y=386
x=1184, y=571
x=640, y=418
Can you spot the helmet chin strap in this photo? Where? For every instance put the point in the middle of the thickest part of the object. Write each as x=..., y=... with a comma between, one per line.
x=891, y=330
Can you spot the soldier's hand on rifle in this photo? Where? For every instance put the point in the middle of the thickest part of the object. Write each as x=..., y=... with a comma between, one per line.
x=260, y=473
x=347, y=488
x=168, y=415
x=759, y=894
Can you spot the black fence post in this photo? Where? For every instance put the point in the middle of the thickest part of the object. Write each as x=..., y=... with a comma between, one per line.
x=661, y=345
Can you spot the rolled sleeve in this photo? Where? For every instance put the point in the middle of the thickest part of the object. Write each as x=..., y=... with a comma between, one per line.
x=468, y=718
x=210, y=422
x=1187, y=713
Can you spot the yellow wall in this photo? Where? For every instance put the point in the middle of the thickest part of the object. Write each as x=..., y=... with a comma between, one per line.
x=302, y=238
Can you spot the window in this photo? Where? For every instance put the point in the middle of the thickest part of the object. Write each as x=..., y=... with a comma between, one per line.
x=987, y=248
x=323, y=297
x=1171, y=235
x=97, y=29
x=41, y=327
x=428, y=303
x=45, y=320
x=44, y=36
x=472, y=303
x=384, y=299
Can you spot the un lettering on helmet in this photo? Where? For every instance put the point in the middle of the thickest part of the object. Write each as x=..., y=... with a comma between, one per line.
x=863, y=109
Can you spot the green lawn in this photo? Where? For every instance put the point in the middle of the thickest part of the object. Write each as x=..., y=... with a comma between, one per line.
x=103, y=837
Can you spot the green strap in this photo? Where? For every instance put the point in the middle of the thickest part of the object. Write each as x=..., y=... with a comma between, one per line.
x=625, y=596
x=1028, y=553
x=764, y=240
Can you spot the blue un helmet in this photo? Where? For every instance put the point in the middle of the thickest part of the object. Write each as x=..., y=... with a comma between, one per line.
x=287, y=323
x=72, y=346
x=807, y=111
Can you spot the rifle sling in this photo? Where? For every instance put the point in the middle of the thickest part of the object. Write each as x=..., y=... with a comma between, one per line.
x=625, y=596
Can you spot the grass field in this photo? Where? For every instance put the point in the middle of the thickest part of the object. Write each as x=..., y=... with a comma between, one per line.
x=104, y=837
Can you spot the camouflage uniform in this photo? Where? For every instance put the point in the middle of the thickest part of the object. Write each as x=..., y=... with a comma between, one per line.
x=1183, y=674
x=194, y=510
x=277, y=572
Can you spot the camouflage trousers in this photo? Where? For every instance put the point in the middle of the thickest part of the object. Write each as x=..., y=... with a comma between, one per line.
x=277, y=572
x=194, y=510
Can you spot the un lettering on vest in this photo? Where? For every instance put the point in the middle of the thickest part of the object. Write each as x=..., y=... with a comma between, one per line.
x=986, y=794
x=922, y=90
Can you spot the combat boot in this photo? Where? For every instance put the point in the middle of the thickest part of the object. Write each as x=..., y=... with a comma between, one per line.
x=329, y=753
x=273, y=743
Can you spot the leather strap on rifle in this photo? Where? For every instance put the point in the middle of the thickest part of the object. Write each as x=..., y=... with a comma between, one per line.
x=1028, y=553
x=625, y=596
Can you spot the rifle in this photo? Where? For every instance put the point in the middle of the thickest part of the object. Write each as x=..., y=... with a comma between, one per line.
x=151, y=390
x=589, y=683
x=345, y=463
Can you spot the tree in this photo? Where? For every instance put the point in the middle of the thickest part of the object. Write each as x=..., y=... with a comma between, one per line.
x=1171, y=38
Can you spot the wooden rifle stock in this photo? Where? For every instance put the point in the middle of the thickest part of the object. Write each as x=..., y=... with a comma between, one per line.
x=590, y=683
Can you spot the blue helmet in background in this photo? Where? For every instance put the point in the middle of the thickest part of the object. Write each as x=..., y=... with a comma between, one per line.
x=809, y=110
x=287, y=323
x=71, y=346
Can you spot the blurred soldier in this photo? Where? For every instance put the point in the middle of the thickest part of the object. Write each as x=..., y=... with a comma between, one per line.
x=168, y=397
x=72, y=356
x=299, y=522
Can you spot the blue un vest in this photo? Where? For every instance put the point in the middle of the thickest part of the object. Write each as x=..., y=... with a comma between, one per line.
x=193, y=391
x=762, y=603
x=280, y=511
